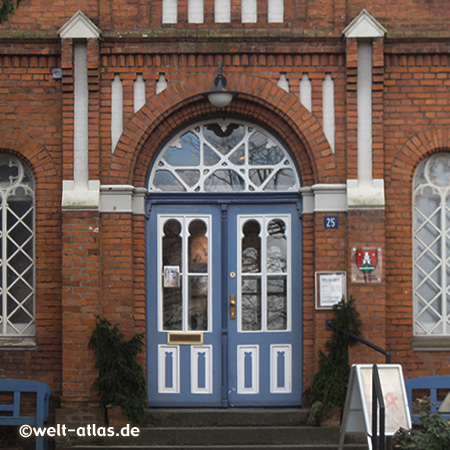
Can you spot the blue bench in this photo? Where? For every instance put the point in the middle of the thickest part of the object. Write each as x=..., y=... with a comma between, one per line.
x=429, y=387
x=10, y=412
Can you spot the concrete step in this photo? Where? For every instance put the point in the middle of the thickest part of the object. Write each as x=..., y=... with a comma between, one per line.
x=223, y=447
x=227, y=438
x=232, y=436
x=242, y=417
x=226, y=429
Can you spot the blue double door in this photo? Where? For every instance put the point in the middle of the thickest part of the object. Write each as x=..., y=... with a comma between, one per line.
x=224, y=315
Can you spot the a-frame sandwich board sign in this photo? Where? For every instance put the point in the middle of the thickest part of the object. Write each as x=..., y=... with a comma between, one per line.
x=357, y=416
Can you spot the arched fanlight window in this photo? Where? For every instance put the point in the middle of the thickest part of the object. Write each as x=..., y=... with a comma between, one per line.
x=16, y=248
x=223, y=156
x=431, y=234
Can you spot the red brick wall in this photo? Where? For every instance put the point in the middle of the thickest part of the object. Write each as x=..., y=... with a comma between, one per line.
x=416, y=125
x=89, y=263
x=328, y=16
x=30, y=128
x=81, y=269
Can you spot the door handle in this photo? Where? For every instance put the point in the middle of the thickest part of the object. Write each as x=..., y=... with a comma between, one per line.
x=232, y=307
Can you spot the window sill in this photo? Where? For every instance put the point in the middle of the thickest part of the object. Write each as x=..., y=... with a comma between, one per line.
x=14, y=343
x=430, y=343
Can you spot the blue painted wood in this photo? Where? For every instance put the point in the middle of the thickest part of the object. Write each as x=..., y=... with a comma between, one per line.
x=265, y=339
x=224, y=337
x=42, y=392
x=248, y=373
x=169, y=370
x=431, y=384
x=281, y=380
x=155, y=338
x=201, y=370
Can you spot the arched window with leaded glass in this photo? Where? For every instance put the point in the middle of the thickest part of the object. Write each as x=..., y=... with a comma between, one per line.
x=224, y=156
x=431, y=234
x=17, y=288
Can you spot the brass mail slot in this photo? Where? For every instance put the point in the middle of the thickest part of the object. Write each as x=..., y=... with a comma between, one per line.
x=181, y=338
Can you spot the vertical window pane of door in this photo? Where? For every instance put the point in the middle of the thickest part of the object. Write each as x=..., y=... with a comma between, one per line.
x=251, y=285
x=185, y=273
x=172, y=275
x=264, y=273
x=198, y=285
x=276, y=303
x=251, y=303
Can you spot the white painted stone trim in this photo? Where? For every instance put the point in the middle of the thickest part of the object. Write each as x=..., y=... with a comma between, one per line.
x=365, y=194
x=324, y=198
x=138, y=93
x=81, y=196
x=328, y=110
x=275, y=11
x=195, y=11
x=138, y=199
x=317, y=198
x=248, y=11
x=80, y=115
x=161, y=84
x=80, y=193
x=169, y=11
x=79, y=27
x=364, y=26
x=364, y=100
x=330, y=197
x=222, y=11
x=307, y=199
x=116, y=111
x=283, y=82
x=306, y=92
x=122, y=199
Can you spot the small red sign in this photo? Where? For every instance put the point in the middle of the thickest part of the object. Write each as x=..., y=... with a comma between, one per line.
x=366, y=259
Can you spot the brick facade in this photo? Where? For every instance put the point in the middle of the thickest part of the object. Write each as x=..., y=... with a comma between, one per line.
x=91, y=262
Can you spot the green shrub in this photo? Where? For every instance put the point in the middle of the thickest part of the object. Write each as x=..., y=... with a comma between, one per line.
x=120, y=380
x=329, y=385
x=432, y=434
x=8, y=7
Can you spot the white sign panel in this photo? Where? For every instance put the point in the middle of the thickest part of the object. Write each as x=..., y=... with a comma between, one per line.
x=330, y=289
x=358, y=404
x=171, y=276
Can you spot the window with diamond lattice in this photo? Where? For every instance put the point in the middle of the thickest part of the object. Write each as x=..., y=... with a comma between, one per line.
x=224, y=156
x=431, y=229
x=16, y=248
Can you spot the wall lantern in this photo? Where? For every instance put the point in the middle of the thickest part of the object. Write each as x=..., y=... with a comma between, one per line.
x=220, y=97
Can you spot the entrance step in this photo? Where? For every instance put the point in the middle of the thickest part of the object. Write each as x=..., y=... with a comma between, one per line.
x=242, y=417
x=226, y=429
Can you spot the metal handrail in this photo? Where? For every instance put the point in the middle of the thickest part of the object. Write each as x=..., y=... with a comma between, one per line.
x=331, y=326
x=377, y=393
x=377, y=398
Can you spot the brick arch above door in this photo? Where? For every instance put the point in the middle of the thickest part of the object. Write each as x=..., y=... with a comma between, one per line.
x=259, y=100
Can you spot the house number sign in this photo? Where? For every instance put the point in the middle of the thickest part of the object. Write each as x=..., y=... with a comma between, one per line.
x=330, y=222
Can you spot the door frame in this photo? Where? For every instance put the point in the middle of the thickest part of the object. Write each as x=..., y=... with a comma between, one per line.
x=222, y=200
